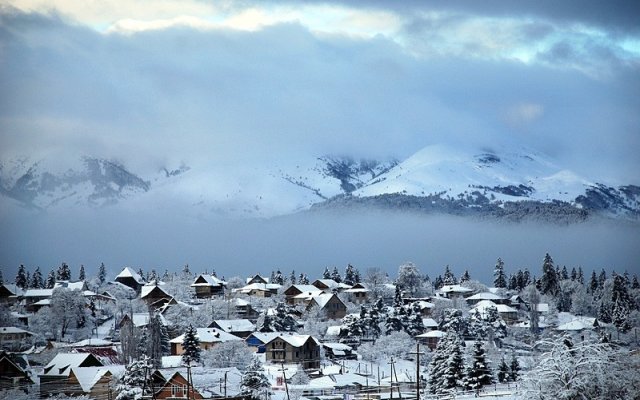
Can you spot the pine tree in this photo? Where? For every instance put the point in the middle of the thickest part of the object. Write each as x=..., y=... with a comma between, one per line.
x=302, y=279
x=454, y=370
x=191, y=347
x=21, y=277
x=28, y=280
x=564, y=275
x=158, y=340
x=335, y=275
x=36, y=279
x=254, y=382
x=514, y=372
x=51, y=280
x=326, y=274
x=602, y=279
x=102, y=274
x=503, y=371
x=292, y=277
x=81, y=274
x=465, y=277
x=278, y=278
x=622, y=304
x=349, y=275
x=142, y=345
x=549, y=280
x=1, y=277
x=580, y=277
x=478, y=373
x=499, y=278
x=64, y=272
x=593, y=283
x=448, y=277
x=634, y=282
x=574, y=274
x=438, y=283
x=356, y=276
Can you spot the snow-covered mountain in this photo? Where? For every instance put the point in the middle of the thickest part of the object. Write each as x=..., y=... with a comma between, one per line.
x=509, y=183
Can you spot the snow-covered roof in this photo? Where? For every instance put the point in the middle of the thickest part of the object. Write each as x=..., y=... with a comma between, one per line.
x=434, y=333
x=429, y=323
x=235, y=325
x=330, y=283
x=305, y=288
x=38, y=293
x=63, y=363
x=575, y=325
x=333, y=330
x=95, y=342
x=142, y=319
x=542, y=307
x=425, y=304
x=337, y=346
x=13, y=330
x=210, y=280
x=295, y=340
x=13, y=288
x=147, y=289
x=43, y=302
x=209, y=335
x=89, y=376
x=265, y=287
x=485, y=296
x=266, y=337
x=323, y=298
x=483, y=305
x=309, y=295
x=527, y=324
x=129, y=273
x=249, y=279
x=69, y=285
x=455, y=289
x=171, y=361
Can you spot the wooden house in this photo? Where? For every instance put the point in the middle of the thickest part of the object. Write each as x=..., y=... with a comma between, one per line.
x=177, y=387
x=208, y=337
x=206, y=286
x=330, y=304
x=14, y=371
x=294, y=349
x=130, y=278
x=241, y=328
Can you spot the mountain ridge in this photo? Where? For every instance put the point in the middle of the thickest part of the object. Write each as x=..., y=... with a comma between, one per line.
x=507, y=184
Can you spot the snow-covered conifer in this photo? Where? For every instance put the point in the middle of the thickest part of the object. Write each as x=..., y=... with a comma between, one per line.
x=254, y=382
x=503, y=371
x=478, y=373
x=549, y=280
x=102, y=274
x=191, y=347
x=335, y=275
x=64, y=272
x=21, y=277
x=36, y=279
x=81, y=273
x=499, y=277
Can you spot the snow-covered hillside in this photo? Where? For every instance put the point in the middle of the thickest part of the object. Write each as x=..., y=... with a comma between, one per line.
x=437, y=178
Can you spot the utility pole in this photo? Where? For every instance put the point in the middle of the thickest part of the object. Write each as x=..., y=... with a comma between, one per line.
x=284, y=377
x=391, y=379
x=225, y=384
x=417, y=353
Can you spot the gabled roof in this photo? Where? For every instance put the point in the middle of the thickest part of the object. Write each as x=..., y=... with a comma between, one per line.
x=13, y=330
x=323, y=298
x=79, y=285
x=63, y=363
x=146, y=290
x=295, y=340
x=129, y=273
x=209, y=335
x=38, y=293
x=235, y=325
x=89, y=376
x=485, y=296
x=483, y=305
x=455, y=289
x=330, y=283
x=12, y=289
x=265, y=287
x=434, y=333
x=429, y=323
x=303, y=288
x=265, y=337
x=142, y=319
x=207, y=280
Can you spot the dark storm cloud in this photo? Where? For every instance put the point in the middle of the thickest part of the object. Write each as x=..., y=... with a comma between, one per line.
x=619, y=16
x=237, y=97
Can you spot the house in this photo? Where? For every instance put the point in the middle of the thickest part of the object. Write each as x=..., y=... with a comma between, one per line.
x=79, y=285
x=454, y=291
x=130, y=278
x=154, y=296
x=507, y=313
x=330, y=304
x=208, y=337
x=294, y=349
x=177, y=387
x=429, y=324
x=476, y=298
x=431, y=338
x=259, y=289
x=259, y=340
x=13, y=338
x=244, y=309
x=257, y=279
x=329, y=285
x=10, y=293
x=426, y=307
x=293, y=292
x=14, y=371
x=358, y=293
x=338, y=351
x=34, y=299
x=241, y=328
x=58, y=376
x=207, y=286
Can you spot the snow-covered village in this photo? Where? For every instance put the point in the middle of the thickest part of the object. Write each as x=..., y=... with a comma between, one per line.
x=549, y=333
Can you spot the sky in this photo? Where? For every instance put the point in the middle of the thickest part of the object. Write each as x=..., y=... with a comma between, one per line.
x=222, y=85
